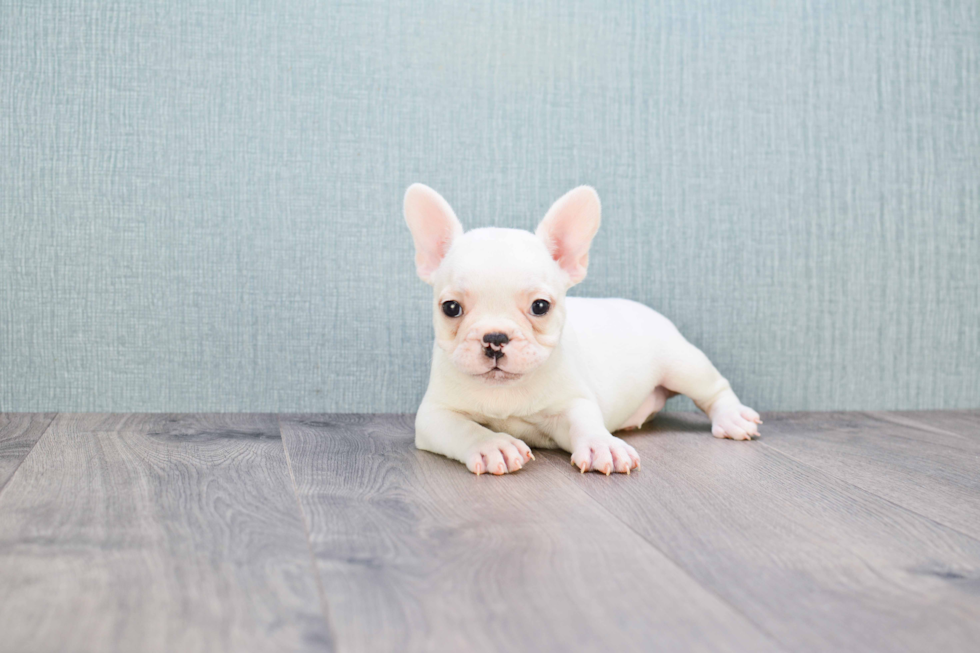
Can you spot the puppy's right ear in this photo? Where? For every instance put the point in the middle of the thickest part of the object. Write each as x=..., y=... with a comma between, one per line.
x=434, y=227
x=568, y=229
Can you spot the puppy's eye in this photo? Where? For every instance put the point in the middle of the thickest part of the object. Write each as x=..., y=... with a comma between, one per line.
x=540, y=306
x=452, y=308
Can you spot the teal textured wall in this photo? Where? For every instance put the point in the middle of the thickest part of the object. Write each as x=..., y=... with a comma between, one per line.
x=200, y=203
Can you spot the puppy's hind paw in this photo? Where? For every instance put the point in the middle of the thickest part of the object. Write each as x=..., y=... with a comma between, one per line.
x=735, y=423
x=498, y=455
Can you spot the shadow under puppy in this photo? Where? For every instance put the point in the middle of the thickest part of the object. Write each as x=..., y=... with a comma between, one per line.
x=517, y=363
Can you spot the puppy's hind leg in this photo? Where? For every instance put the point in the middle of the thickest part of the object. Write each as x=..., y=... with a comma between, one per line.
x=652, y=405
x=689, y=372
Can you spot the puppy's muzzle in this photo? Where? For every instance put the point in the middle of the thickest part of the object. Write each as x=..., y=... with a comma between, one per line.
x=494, y=345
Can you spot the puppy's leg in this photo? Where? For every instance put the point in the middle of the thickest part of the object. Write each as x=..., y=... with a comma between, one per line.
x=652, y=405
x=455, y=436
x=582, y=431
x=689, y=372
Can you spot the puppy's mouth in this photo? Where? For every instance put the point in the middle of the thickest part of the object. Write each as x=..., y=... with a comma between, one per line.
x=497, y=375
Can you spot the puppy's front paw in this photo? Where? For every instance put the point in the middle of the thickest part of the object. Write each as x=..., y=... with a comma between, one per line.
x=736, y=422
x=498, y=455
x=605, y=454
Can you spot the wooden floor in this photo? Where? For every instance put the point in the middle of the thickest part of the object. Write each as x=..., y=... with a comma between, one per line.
x=834, y=532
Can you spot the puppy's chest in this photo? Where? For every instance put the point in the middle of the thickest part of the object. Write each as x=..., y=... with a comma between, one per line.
x=525, y=429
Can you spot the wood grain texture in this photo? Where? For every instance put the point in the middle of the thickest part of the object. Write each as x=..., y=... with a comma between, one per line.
x=955, y=428
x=928, y=468
x=819, y=563
x=415, y=553
x=156, y=533
x=18, y=434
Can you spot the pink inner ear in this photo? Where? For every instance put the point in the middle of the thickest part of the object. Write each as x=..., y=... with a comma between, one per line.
x=431, y=247
x=568, y=229
x=434, y=226
x=565, y=251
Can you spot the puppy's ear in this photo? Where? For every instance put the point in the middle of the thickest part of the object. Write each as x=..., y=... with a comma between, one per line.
x=434, y=226
x=568, y=228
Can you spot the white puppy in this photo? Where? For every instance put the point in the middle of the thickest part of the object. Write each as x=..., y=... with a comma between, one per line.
x=516, y=363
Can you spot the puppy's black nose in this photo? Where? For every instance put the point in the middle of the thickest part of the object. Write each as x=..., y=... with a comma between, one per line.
x=495, y=354
x=496, y=339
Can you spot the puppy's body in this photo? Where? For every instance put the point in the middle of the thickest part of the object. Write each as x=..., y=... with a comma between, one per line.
x=517, y=363
x=612, y=351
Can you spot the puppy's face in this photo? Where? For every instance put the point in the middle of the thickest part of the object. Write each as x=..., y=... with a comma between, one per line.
x=499, y=294
x=499, y=303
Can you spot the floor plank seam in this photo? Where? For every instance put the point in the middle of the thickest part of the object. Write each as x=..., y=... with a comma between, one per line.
x=324, y=604
x=47, y=427
x=926, y=428
x=772, y=638
x=868, y=492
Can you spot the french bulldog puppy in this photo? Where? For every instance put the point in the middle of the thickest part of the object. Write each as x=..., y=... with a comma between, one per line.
x=516, y=363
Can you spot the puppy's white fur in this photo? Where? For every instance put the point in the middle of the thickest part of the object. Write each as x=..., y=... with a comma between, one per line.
x=567, y=378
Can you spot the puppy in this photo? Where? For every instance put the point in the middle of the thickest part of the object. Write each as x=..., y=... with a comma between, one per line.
x=516, y=363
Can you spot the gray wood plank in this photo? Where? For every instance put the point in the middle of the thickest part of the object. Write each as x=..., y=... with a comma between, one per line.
x=18, y=434
x=956, y=428
x=157, y=533
x=820, y=564
x=416, y=553
x=892, y=457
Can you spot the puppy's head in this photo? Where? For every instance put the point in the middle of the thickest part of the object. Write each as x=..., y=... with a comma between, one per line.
x=499, y=301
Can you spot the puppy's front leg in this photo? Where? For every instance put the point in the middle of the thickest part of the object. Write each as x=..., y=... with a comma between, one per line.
x=451, y=434
x=689, y=372
x=582, y=431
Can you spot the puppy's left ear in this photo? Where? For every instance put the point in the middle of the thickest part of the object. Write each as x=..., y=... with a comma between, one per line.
x=434, y=227
x=568, y=229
